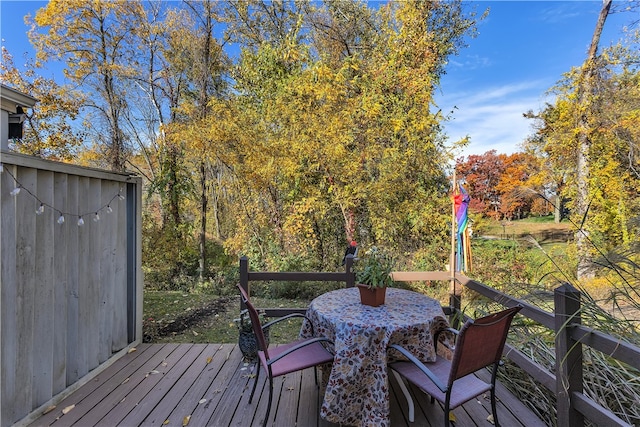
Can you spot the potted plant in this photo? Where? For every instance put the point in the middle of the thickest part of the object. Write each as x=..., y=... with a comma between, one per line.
x=246, y=337
x=373, y=275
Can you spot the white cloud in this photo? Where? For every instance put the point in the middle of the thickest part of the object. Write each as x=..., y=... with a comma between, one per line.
x=470, y=62
x=493, y=117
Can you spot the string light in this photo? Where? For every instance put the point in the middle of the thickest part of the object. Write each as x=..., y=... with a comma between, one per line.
x=61, y=218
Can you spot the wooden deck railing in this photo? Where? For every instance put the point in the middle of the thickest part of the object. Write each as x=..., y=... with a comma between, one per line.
x=247, y=276
x=71, y=295
x=573, y=406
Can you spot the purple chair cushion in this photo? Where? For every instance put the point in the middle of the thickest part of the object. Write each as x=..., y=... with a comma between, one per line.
x=305, y=357
x=463, y=390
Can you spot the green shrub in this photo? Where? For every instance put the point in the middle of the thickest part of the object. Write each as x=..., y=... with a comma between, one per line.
x=171, y=258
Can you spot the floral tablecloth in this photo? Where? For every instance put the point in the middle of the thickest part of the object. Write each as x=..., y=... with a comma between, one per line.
x=357, y=389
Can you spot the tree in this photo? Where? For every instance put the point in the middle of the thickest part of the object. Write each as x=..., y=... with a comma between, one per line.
x=324, y=129
x=516, y=201
x=341, y=103
x=553, y=147
x=94, y=40
x=159, y=83
x=48, y=130
x=482, y=174
x=500, y=185
x=585, y=89
x=205, y=85
x=253, y=23
x=611, y=145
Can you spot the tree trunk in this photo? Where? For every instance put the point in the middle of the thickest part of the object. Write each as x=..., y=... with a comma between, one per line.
x=585, y=88
x=116, y=155
x=203, y=220
x=172, y=185
x=558, y=208
x=215, y=198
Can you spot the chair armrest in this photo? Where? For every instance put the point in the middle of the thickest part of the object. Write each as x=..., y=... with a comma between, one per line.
x=298, y=347
x=280, y=319
x=420, y=366
x=436, y=337
x=452, y=330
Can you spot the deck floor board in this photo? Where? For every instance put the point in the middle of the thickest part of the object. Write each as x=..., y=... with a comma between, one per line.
x=209, y=384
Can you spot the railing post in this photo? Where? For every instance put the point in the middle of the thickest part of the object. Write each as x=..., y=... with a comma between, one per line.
x=244, y=278
x=351, y=277
x=455, y=304
x=133, y=231
x=568, y=355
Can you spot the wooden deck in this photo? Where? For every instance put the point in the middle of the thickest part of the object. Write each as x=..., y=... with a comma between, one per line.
x=209, y=385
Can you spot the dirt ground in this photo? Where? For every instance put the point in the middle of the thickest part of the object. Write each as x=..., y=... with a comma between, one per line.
x=185, y=322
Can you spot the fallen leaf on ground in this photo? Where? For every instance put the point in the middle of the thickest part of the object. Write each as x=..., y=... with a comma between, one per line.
x=185, y=420
x=49, y=409
x=131, y=350
x=66, y=410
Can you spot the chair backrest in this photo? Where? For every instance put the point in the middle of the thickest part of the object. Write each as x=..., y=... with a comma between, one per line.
x=255, y=322
x=480, y=343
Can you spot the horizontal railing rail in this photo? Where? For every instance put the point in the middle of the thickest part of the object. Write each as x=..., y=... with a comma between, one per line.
x=246, y=276
x=573, y=406
x=614, y=347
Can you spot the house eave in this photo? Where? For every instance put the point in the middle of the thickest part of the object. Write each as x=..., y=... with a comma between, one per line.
x=11, y=99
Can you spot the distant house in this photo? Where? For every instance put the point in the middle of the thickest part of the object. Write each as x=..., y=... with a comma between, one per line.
x=13, y=104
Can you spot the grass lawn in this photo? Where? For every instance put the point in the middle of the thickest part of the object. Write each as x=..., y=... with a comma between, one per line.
x=181, y=317
x=200, y=317
x=526, y=226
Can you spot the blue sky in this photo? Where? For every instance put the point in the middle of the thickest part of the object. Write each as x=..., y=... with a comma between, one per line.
x=522, y=49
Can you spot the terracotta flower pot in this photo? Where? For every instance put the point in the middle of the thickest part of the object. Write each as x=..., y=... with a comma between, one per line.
x=372, y=296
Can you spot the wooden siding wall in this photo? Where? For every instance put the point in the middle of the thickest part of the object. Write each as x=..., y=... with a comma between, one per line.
x=67, y=291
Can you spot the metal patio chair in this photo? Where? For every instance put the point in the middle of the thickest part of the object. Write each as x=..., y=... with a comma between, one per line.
x=284, y=358
x=478, y=344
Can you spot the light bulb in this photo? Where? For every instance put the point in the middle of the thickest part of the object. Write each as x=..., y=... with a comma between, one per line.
x=96, y=217
x=61, y=219
x=40, y=210
x=15, y=191
x=120, y=196
x=109, y=210
x=80, y=222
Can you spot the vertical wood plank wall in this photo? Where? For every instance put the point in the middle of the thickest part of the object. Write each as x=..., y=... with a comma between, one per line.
x=67, y=301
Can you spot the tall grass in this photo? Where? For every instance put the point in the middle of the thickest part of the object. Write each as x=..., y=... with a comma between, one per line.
x=610, y=304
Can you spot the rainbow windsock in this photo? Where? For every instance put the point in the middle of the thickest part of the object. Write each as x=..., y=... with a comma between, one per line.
x=461, y=201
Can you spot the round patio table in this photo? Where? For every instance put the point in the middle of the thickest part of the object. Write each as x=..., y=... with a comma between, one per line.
x=357, y=390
